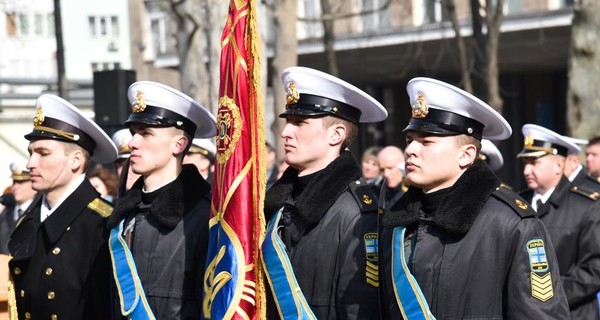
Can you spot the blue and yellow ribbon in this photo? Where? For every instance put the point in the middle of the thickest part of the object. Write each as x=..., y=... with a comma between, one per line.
x=288, y=296
x=129, y=286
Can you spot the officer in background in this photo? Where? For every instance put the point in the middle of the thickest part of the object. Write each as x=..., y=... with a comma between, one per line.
x=572, y=219
x=325, y=215
x=577, y=173
x=456, y=245
x=162, y=221
x=391, y=164
x=202, y=155
x=23, y=195
x=592, y=157
x=121, y=139
x=60, y=259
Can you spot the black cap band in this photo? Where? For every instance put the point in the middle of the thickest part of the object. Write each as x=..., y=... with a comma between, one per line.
x=157, y=116
x=311, y=105
x=548, y=147
x=62, y=131
x=446, y=123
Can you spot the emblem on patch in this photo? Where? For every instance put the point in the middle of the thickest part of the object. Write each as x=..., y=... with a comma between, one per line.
x=291, y=94
x=139, y=104
x=229, y=128
x=367, y=200
x=522, y=205
x=538, y=261
x=372, y=262
x=420, y=108
x=541, y=286
x=38, y=119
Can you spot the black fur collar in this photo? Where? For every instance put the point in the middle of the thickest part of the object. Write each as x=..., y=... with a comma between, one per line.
x=168, y=208
x=321, y=192
x=458, y=209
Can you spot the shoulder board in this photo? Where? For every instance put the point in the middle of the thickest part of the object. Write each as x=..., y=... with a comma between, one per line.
x=364, y=196
x=514, y=201
x=101, y=207
x=593, y=178
x=592, y=195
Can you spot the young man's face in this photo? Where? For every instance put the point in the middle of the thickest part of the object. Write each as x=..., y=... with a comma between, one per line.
x=306, y=144
x=50, y=164
x=152, y=148
x=543, y=173
x=432, y=161
x=592, y=159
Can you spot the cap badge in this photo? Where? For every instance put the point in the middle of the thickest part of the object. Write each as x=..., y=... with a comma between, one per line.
x=292, y=94
x=420, y=108
x=528, y=140
x=38, y=120
x=139, y=105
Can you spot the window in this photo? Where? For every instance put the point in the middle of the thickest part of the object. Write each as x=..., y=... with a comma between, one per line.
x=39, y=21
x=376, y=19
x=23, y=24
x=105, y=66
x=103, y=26
x=434, y=11
x=309, y=9
x=513, y=6
x=50, y=19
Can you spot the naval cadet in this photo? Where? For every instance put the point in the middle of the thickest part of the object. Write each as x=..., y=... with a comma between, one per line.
x=570, y=215
x=577, y=173
x=23, y=194
x=456, y=245
x=159, y=229
x=60, y=265
x=321, y=213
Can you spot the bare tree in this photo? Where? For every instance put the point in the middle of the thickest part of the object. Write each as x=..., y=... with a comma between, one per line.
x=63, y=91
x=584, y=73
x=465, y=72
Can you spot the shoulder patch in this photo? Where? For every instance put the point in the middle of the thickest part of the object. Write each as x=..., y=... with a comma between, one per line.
x=364, y=196
x=101, y=207
x=592, y=195
x=514, y=201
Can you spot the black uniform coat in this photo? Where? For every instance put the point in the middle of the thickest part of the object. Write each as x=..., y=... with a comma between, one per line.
x=7, y=223
x=170, y=243
x=60, y=267
x=573, y=221
x=470, y=258
x=587, y=183
x=326, y=239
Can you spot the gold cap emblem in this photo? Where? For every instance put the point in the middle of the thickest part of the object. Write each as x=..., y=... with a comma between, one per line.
x=139, y=104
x=38, y=120
x=528, y=140
x=420, y=108
x=292, y=94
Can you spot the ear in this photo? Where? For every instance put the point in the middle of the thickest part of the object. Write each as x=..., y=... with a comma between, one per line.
x=337, y=134
x=467, y=156
x=77, y=159
x=181, y=143
x=559, y=165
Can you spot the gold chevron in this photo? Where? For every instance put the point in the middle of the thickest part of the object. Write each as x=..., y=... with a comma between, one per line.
x=541, y=286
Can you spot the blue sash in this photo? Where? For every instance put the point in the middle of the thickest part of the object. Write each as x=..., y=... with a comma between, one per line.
x=290, y=301
x=129, y=286
x=410, y=299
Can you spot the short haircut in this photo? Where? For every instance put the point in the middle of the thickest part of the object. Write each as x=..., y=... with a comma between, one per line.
x=70, y=147
x=464, y=139
x=371, y=154
x=594, y=140
x=351, y=129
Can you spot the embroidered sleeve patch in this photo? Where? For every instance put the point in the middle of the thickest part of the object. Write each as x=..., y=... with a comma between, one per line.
x=538, y=261
x=541, y=286
x=372, y=259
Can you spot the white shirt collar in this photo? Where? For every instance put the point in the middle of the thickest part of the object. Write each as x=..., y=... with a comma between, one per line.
x=543, y=197
x=23, y=206
x=575, y=173
x=46, y=211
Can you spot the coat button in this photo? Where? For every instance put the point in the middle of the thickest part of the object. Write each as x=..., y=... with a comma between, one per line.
x=54, y=317
x=22, y=293
x=27, y=315
x=17, y=271
x=48, y=271
x=56, y=250
x=51, y=295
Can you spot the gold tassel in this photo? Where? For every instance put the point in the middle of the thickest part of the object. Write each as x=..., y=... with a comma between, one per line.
x=12, y=299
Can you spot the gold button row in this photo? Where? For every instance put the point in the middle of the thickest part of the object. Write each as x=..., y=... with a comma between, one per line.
x=56, y=251
x=51, y=295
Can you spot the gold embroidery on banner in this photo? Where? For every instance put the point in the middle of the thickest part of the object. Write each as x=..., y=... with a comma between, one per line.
x=229, y=128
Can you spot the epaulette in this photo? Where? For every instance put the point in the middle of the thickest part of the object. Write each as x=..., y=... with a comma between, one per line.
x=514, y=201
x=593, y=178
x=366, y=199
x=592, y=195
x=101, y=207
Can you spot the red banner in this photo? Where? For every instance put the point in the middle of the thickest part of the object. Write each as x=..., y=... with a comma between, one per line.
x=233, y=283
